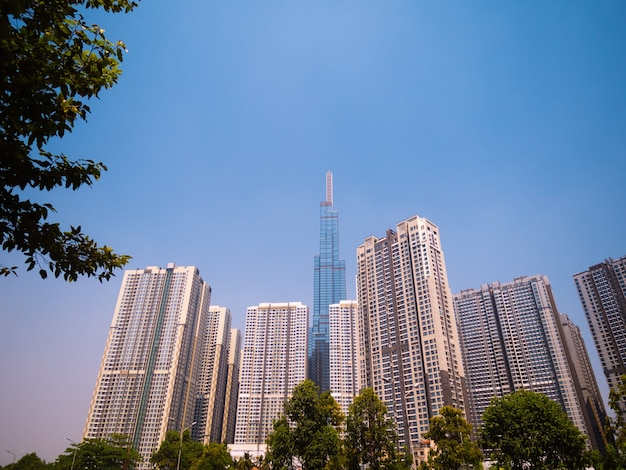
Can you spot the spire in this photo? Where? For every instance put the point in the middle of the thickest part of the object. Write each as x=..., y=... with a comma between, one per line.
x=329, y=188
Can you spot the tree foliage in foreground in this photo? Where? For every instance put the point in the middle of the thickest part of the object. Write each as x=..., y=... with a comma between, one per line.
x=527, y=430
x=100, y=454
x=614, y=455
x=371, y=438
x=452, y=436
x=307, y=431
x=51, y=63
x=166, y=456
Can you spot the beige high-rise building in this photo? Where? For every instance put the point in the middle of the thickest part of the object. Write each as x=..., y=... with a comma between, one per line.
x=344, y=378
x=232, y=387
x=148, y=379
x=602, y=292
x=211, y=398
x=408, y=340
x=274, y=361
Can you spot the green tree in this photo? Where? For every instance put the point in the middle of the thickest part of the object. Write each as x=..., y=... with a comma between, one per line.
x=452, y=435
x=527, y=430
x=214, y=457
x=307, y=431
x=166, y=456
x=614, y=455
x=51, y=63
x=244, y=463
x=371, y=438
x=29, y=461
x=100, y=454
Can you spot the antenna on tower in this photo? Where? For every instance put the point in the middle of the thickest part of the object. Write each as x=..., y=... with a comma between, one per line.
x=329, y=188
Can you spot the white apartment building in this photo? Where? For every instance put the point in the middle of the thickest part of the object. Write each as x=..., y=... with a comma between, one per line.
x=274, y=361
x=148, y=379
x=344, y=378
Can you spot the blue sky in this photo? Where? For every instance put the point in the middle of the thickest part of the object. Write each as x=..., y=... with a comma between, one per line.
x=504, y=123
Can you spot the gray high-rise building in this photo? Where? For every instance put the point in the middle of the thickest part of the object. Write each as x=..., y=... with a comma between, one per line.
x=408, y=340
x=274, y=361
x=232, y=387
x=329, y=287
x=602, y=292
x=512, y=338
x=211, y=397
x=594, y=412
x=148, y=379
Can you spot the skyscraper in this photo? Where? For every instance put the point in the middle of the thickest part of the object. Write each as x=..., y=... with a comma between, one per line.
x=511, y=339
x=344, y=378
x=409, y=345
x=232, y=387
x=211, y=397
x=602, y=292
x=329, y=288
x=594, y=412
x=150, y=368
x=273, y=363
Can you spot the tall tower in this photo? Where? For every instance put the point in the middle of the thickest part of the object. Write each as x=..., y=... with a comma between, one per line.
x=273, y=363
x=329, y=288
x=602, y=292
x=512, y=338
x=409, y=346
x=209, y=414
x=148, y=378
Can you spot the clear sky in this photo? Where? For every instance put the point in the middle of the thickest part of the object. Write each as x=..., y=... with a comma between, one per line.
x=503, y=122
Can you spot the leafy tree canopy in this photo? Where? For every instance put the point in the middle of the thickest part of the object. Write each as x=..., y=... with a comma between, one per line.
x=51, y=63
x=371, y=438
x=307, y=431
x=452, y=435
x=214, y=457
x=166, y=457
x=527, y=430
x=100, y=454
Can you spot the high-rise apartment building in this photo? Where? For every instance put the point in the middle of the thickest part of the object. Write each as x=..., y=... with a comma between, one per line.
x=274, y=361
x=329, y=288
x=408, y=340
x=232, y=387
x=344, y=379
x=594, y=412
x=511, y=339
x=602, y=292
x=211, y=398
x=148, y=379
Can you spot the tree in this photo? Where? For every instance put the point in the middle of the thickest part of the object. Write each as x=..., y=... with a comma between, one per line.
x=307, y=431
x=452, y=435
x=166, y=457
x=214, y=457
x=527, y=430
x=371, y=439
x=100, y=454
x=29, y=461
x=614, y=455
x=51, y=63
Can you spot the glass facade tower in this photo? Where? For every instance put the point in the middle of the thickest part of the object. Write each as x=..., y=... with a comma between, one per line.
x=329, y=288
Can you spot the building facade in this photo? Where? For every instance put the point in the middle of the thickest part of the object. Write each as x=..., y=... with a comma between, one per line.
x=274, y=361
x=602, y=292
x=408, y=341
x=232, y=387
x=344, y=377
x=329, y=287
x=594, y=411
x=211, y=397
x=148, y=378
x=511, y=339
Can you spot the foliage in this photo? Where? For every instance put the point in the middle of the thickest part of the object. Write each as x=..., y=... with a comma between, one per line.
x=528, y=430
x=100, y=454
x=614, y=456
x=307, y=431
x=244, y=463
x=29, y=461
x=371, y=439
x=214, y=457
x=51, y=63
x=452, y=435
x=166, y=457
